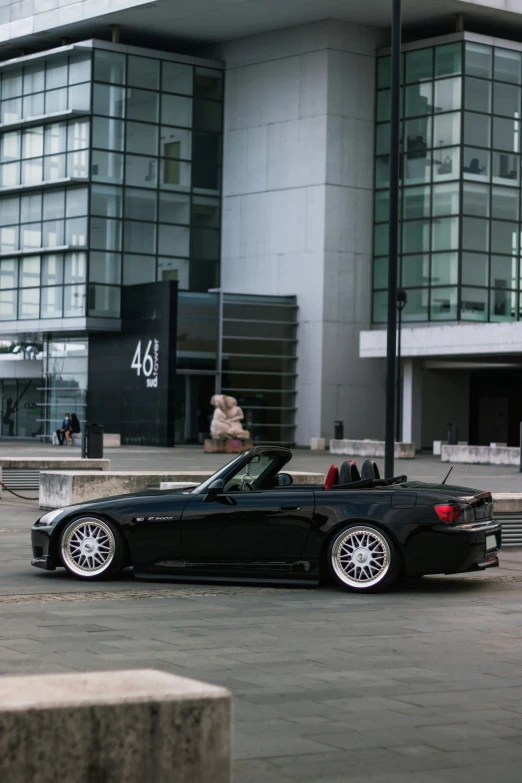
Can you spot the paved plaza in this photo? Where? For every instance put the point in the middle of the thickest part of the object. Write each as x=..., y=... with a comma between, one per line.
x=421, y=685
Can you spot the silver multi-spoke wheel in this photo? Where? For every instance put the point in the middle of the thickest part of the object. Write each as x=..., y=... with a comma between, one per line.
x=88, y=547
x=361, y=557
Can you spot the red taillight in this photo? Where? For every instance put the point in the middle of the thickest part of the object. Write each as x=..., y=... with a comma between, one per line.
x=447, y=512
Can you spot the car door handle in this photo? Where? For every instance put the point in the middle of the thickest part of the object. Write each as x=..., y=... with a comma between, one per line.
x=290, y=508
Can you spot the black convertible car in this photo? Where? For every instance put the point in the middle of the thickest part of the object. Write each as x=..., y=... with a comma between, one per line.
x=249, y=522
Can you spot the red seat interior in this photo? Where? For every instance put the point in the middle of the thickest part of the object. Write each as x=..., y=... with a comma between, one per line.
x=332, y=477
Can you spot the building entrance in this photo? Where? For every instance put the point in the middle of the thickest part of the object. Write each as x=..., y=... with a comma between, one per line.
x=193, y=408
x=21, y=408
x=495, y=407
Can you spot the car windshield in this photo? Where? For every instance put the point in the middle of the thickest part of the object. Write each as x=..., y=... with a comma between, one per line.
x=219, y=474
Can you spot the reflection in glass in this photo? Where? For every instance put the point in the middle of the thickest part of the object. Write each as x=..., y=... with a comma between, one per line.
x=29, y=271
x=417, y=134
x=508, y=65
x=140, y=204
x=446, y=164
x=502, y=305
x=106, y=201
x=419, y=65
x=475, y=234
x=445, y=269
x=104, y=301
x=446, y=199
x=416, y=202
x=138, y=269
x=107, y=166
x=75, y=267
x=142, y=138
x=139, y=237
x=380, y=272
x=109, y=66
x=416, y=236
x=28, y=303
x=52, y=269
x=506, y=168
x=54, y=167
x=105, y=234
x=474, y=304
x=415, y=271
x=504, y=272
x=107, y=134
x=505, y=203
x=504, y=237
x=448, y=59
x=475, y=199
x=53, y=234
x=175, y=208
x=176, y=77
x=32, y=171
x=31, y=236
x=174, y=240
x=443, y=304
x=506, y=100
x=8, y=272
x=109, y=100
x=78, y=164
x=419, y=99
x=56, y=101
x=477, y=94
x=446, y=130
x=33, y=105
x=175, y=174
x=176, y=110
x=475, y=269
x=55, y=138
x=506, y=134
x=476, y=164
x=417, y=305
x=416, y=168
x=73, y=301
x=448, y=94
x=8, y=301
x=208, y=83
x=52, y=302
x=104, y=267
x=142, y=105
x=445, y=234
x=143, y=72
x=478, y=60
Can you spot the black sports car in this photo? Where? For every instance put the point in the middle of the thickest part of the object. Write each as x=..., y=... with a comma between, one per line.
x=249, y=522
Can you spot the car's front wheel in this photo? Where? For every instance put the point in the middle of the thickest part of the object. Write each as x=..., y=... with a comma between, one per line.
x=92, y=548
x=363, y=558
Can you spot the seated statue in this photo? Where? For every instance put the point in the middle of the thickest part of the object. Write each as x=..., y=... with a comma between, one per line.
x=227, y=418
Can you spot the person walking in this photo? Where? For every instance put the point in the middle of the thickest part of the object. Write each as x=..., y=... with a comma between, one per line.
x=63, y=432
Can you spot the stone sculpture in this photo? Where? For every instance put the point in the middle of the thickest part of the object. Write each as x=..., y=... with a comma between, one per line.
x=227, y=418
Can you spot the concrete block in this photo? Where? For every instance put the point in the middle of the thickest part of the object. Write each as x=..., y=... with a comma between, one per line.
x=111, y=440
x=437, y=446
x=68, y=487
x=54, y=463
x=115, y=727
x=317, y=444
x=507, y=502
x=370, y=448
x=481, y=455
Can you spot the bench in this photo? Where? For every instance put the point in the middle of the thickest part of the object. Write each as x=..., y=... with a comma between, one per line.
x=111, y=440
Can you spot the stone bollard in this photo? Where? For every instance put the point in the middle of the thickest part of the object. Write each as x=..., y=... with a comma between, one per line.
x=137, y=726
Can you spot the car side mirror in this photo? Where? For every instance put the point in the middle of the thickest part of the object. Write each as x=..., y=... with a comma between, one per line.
x=284, y=480
x=217, y=487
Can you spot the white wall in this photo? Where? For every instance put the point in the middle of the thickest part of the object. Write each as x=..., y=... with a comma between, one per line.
x=297, y=204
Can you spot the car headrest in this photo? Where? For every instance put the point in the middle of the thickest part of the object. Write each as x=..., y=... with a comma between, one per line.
x=376, y=471
x=370, y=470
x=348, y=472
x=332, y=477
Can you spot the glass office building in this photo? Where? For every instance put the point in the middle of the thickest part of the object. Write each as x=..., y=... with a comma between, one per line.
x=460, y=237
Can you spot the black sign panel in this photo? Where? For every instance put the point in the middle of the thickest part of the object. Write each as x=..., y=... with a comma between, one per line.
x=132, y=373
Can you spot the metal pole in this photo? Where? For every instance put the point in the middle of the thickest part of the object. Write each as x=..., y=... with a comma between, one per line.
x=399, y=378
x=520, y=465
x=394, y=237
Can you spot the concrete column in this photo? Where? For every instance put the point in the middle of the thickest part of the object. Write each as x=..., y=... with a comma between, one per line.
x=412, y=402
x=134, y=726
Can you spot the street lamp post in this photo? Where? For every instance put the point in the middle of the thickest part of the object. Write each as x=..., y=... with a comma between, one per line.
x=402, y=298
x=391, y=343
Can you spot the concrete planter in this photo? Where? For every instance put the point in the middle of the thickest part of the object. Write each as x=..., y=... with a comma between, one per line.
x=370, y=448
x=133, y=726
x=481, y=455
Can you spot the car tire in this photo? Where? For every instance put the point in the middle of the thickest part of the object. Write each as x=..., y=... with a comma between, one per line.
x=92, y=548
x=362, y=558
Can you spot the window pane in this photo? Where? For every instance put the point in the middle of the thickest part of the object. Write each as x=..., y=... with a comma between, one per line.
x=56, y=73
x=52, y=302
x=208, y=116
x=175, y=208
x=448, y=94
x=475, y=199
x=78, y=164
x=8, y=300
x=141, y=171
x=446, y=199
x=77, y=201
x=504, y=203
x=107, y=134
x=176, y=78
x=476, y=164
x=204, y=243
x=205, y=210
x=175, y=143
x=504, y=272
x=106, y=201
x=502, y=305
x=143, y=72
x=10, y=174
x=33, y=105
x=415, y=237
x=382, y=170
x=417, y=134
x=474, y=304
x=446, y=130
x=415, y=271
x=445, y=269
x=104, y=301
x=174, y=240
x=140, y=204
x=142, y=104
x=56, y=101
x=105, y=234
x=109, y=67
x=8, y=273
x=443, y=304
x=138, y=269
x=11, y=146
x=73, y=301
x=75, y=267
x=381, y=239
x=107, y=166
x=8, y=239
x=55, y=138
x=29, y=271
x=32, y=171
x=140, y=237
x=105, y=268
x=33, y=78
x=142, y=138
x=53, y=234
x=176, y=269
x=78, y=135
x=380, y=307
x=416, y=308
x=477, y=95
x=506, y=100
x=419, y=99
x=506, y=134
x=504, y=237
x=31, y=236
x=479, y=60
x=109, y=100
x=33, y=142
x=446, y=164
x=79, y=98
x=176, y=110
x=416, y=202
x=52, y=269
x=31, y=207
x=508, y=66
x=382, y=139
x=475, y=234
x=176, y=175
x=506, y=168
x=9, y=210
x=475, y=269
x=80, y=68
x=419, y=65
x=54, y=167
x=29, y=303
x=12, y=83
x=208, y=83
x=383, y=71
x=383, y=105
x=12, y=110
x=445, y=234
x=380, y=272
x=76, y=232
x=448, y=59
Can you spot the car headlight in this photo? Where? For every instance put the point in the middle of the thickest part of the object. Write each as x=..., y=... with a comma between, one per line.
x=49, y=518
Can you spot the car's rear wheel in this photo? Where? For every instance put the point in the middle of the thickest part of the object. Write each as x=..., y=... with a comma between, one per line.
x=92, y=548
x=363, y=558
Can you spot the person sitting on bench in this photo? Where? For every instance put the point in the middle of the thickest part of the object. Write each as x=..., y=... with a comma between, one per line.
x=64, y=431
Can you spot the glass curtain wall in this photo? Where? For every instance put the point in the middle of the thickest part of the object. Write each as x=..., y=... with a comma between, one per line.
x=110, y=175
x=460, y=183
x=64, y=381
